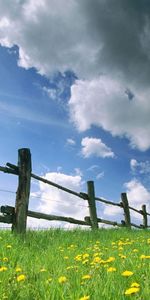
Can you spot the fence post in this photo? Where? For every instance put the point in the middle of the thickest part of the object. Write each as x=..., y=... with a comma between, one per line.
x=144, y=213
x=23, y=191
x=92, y=205
x=125, y=206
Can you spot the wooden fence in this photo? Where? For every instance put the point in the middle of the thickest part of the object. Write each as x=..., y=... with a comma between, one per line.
x=17, y=216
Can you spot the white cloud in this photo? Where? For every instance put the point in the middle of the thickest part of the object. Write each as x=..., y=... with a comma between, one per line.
x=100, y=175
x=137, y=196
x=95, y=147
x=60, y=35
x=71, y=142
x=104, y=103
x=140, y=167
x=56, y=202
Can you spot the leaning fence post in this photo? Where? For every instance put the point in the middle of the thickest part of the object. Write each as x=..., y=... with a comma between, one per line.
x=92, y=205
x=144, y=213
x=125, y=206
x=23, y=191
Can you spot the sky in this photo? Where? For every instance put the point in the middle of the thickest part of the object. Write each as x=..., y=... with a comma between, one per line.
x=74, y=89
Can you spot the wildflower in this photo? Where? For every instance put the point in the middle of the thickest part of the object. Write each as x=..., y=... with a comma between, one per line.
x=132, y=290
x=85, y=261
x=43, y=270
x=86, y=277
x=122, y=256
x=18, y=269
x=49, y=280
x=135, y=250
x=144, y=256
x=3, y=269
x=5, y=259
x=127, y=273
x=97, y=259
x=135, y=284
x=62, y=279
x=110, y=259
x=111, y=269
x=85, y=298
x=21, y=277
x=78, y=257
x=8, y=246
x=86, y=255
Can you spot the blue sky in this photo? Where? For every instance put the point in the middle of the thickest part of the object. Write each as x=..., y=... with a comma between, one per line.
x=74, y=89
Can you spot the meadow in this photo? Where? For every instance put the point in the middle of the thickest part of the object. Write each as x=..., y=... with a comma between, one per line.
x=55, y=264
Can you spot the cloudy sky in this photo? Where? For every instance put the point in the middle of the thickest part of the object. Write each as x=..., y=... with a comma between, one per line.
x=74, y=88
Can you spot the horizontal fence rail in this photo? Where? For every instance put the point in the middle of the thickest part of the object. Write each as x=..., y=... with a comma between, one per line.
x=17, y=216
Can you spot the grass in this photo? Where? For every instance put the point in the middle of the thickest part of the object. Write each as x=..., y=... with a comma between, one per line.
x=75, y=265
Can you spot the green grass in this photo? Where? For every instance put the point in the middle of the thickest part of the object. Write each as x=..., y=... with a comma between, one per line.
x=46, y=257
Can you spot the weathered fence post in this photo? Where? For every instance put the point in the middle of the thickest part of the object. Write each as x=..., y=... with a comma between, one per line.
x=125, y=206
x=23, y=191
x=92, y=205
x=144, y=213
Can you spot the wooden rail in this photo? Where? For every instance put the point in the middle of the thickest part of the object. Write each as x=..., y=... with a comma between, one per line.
x=17, y=216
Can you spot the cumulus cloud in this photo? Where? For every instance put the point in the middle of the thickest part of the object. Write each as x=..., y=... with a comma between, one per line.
x=138, y=195
x=103, y=102
x=93, y=39
x=56, y=202
x=142, y=167
x=95, y=147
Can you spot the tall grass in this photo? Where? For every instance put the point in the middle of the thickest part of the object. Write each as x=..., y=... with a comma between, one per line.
x=73, y=265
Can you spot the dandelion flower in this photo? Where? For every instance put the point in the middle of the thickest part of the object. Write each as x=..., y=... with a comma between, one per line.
x=62, y=279
x=8, y=246
x=21, y=277
x=18, y=269
x=43, y=270
x=111, y=269
x=86, y=277
x=127, y=273
x=49, y=280
x=5, y=259
x=2, y=269
x=85, y=298
x=110, y=259
x=132, y=290
x=135, y=284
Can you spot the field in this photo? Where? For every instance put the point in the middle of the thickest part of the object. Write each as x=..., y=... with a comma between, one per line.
x=75, y=265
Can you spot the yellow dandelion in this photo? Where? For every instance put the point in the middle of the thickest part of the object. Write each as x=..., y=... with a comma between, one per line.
x=110, y=259
x=127, y=273
x=135, y=250
x=18, y=269
x=86, y=277
x=5, y=259
x=43, y=270
x=145, y=256
x=49, y=280
x=132, y=290
x=78, y=257
x=97, y=259
x=9, y=246
x=62, y=279
x=111, y=269
x=2, y=269
x=86, y=255
x=21, y=277
x=85, y=261
x=135, y=284
x=85, y=298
